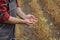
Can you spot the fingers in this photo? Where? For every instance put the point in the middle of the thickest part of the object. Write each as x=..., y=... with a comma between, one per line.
x=32, y=22
x=33, y=17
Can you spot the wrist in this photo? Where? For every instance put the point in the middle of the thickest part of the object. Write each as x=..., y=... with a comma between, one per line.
x=22, y=21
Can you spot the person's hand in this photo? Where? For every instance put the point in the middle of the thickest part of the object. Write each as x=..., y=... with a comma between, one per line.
x=29, y=22
x=32, y=18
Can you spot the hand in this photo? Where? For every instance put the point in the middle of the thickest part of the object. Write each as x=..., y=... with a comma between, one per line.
x=29, y=22
x=32, y=18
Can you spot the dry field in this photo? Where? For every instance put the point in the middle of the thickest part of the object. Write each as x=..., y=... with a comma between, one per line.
x=48, y=14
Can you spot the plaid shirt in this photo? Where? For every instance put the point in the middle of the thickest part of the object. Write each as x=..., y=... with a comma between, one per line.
x=4, y=10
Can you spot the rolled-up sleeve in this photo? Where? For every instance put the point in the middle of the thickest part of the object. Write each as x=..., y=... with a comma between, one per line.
x=17, y=3
x=4, y=14
x=4, y=17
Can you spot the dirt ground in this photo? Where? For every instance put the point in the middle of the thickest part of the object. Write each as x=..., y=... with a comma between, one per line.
x=48, y=14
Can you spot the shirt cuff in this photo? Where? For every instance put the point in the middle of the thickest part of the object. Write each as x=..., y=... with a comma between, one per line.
x=17, y=3
x=6, y=16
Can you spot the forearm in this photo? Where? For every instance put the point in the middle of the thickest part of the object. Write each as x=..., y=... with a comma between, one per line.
x=21, y=13
x=14, y=20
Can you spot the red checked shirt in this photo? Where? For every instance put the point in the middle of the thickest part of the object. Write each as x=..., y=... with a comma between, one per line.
x=4, y=10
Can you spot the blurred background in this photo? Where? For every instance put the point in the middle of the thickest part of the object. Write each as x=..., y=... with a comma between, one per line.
x=48, y=14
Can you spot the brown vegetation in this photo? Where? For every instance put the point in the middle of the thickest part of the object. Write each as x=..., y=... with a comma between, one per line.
x=48, y=13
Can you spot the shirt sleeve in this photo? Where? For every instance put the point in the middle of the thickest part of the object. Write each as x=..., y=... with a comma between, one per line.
x=17, y=3
x=4, y=14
